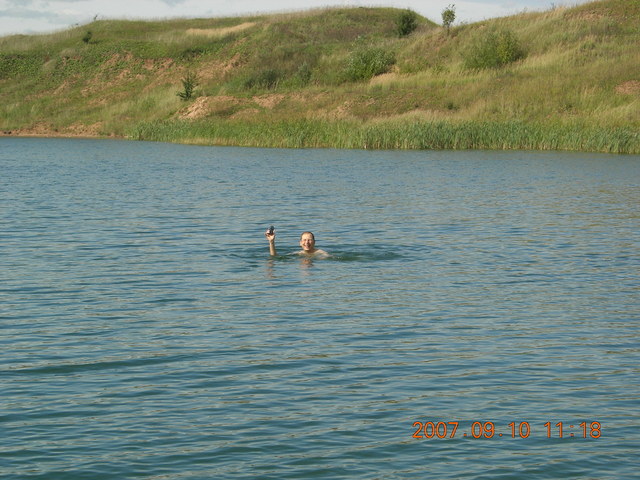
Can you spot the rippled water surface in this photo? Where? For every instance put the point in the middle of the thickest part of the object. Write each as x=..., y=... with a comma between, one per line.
x=146, y=333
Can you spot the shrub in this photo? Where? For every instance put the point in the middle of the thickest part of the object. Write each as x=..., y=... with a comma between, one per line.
x=87, y=36
x=189, y=83
x=18, y=64
x=406, y=23
x=494, y=50
x=192, y=53
x=365, y=64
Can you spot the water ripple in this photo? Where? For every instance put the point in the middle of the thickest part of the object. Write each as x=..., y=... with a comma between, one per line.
x=146, y=333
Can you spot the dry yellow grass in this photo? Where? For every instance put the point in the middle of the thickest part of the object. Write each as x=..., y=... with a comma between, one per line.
x=220, y=32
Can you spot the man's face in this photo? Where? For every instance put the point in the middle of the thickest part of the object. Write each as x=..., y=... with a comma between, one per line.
x=307, y=242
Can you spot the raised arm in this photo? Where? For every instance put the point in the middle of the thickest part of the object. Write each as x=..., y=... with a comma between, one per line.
x=271, y=236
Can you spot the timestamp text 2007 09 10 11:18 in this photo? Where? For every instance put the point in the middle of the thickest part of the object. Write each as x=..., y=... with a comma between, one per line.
x=516, y=430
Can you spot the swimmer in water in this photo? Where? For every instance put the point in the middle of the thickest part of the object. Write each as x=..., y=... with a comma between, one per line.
x=307, y=242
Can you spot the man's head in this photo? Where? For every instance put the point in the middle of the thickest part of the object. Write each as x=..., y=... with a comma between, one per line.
x=307, y=241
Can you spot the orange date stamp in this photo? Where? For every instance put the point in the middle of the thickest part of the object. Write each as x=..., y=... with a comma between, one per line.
x=427, y=430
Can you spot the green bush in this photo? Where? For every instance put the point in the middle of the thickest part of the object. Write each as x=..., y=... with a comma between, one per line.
x=406, y=23
x=494, y=49
x=192, y=53
x=367, y=63
x=19, y=64
x=267, y=79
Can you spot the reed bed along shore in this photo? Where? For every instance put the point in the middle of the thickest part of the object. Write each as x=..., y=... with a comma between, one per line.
x=562, y=79
x=392, y=135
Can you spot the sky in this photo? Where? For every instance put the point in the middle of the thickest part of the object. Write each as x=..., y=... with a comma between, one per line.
x=43, y=16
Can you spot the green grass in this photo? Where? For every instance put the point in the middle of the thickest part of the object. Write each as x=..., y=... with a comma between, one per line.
x=416, y=134
x=311, y=79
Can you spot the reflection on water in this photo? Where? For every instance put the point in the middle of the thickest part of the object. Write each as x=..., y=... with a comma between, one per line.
x=147, y=332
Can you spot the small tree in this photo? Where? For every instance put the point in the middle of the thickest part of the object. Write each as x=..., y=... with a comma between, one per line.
x=406, y=23
x=448, y=17
x=87, y=36
x=189, y=83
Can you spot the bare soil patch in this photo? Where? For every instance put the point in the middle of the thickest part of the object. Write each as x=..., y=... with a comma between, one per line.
x=632, y=87
x=205, y=106
x=268, y=101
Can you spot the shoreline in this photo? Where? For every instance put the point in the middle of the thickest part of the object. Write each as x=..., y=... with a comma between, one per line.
x=77, y=131
x=382, y=134
x=54, y=135
x=280, y=142
x=300, y=89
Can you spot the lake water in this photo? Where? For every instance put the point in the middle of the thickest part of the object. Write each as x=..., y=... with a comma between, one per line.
x=146, y=333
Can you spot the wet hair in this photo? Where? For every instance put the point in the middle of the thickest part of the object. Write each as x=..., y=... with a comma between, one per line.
x=312, y=236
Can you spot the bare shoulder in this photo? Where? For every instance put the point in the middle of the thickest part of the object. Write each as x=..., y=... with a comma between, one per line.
x=316, y=254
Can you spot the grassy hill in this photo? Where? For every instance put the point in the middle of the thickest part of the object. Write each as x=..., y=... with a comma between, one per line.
x=567, y=78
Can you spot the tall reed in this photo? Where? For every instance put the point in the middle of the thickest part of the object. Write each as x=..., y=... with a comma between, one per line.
x=394, y=135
